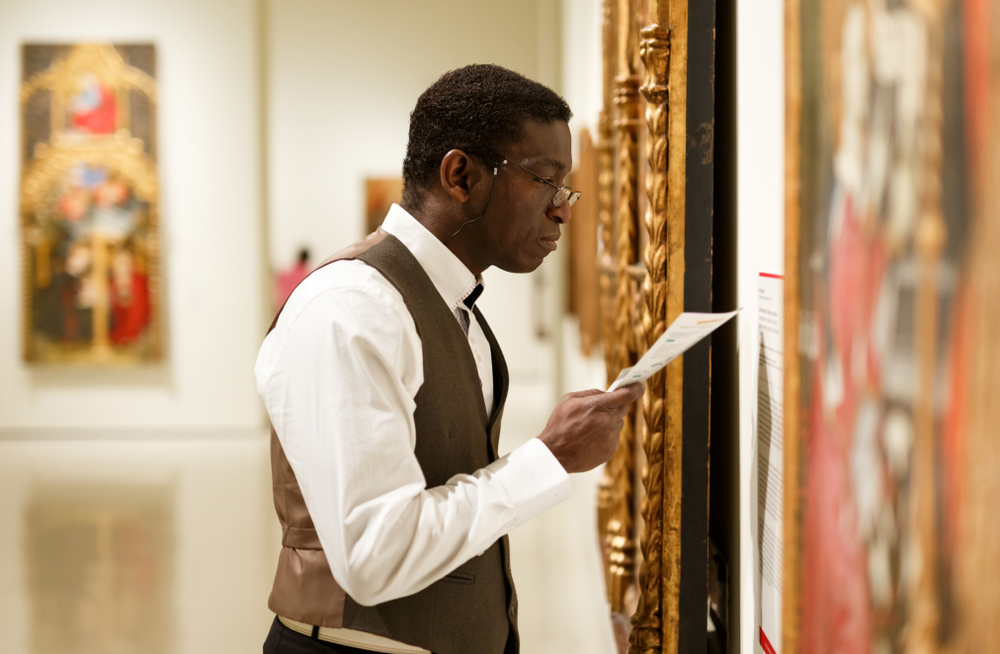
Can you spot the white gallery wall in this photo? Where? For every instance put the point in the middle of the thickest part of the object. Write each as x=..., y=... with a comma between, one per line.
x=761, y=239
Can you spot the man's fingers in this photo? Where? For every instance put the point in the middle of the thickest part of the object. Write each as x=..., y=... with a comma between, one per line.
x=623, y=396
x=619, y=412
x=588, y=392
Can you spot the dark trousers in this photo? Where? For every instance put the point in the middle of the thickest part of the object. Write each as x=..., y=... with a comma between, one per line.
x=282, y=640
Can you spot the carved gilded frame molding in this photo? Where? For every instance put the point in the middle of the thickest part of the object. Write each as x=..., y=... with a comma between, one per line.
x=656, y=621
x=656, y=262
x=654, y=596
x=616, y=514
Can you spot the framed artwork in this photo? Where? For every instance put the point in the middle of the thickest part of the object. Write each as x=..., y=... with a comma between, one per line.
x=380, y=194
x=89, y=203
x=891, y=351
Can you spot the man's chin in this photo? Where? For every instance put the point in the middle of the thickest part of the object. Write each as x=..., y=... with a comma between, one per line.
x=521, y=267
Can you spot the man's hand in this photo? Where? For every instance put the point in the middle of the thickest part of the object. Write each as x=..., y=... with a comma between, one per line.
x=583, y=430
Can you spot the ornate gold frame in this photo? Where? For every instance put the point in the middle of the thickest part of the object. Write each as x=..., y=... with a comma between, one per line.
x=652, y=595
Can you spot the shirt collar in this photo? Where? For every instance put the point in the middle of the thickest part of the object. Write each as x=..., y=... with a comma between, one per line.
x=449, y=275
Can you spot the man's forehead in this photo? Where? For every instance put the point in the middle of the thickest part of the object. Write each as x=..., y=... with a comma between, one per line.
x=545, y=164
x=545, y=145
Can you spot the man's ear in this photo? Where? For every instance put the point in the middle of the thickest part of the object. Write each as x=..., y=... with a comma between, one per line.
x=459, y=175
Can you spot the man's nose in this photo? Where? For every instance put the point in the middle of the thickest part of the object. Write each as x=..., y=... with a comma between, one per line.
x=561, y=214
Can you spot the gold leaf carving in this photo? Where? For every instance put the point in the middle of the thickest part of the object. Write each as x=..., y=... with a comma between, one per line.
x=605, y=265
x=647, y=621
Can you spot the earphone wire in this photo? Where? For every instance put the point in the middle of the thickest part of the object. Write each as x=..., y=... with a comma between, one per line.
x=485, y=207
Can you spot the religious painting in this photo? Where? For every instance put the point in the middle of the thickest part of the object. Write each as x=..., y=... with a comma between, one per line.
x=891, y=344
x=380, y=194
x=99, y=569
x=89, y=205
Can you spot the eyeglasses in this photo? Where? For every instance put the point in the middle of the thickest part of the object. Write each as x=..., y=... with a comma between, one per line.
x=563, y=194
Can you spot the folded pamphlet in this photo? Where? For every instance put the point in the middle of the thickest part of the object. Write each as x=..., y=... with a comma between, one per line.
x=688, y=329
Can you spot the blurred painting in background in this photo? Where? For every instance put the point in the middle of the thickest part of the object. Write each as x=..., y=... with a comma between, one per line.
x=380, y=194
x=89, y=204
x=897, y=229
x=99, y=567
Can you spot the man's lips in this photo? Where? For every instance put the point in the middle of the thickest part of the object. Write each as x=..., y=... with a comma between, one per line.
x=550, y=241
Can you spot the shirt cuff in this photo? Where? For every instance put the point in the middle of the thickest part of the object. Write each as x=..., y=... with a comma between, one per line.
x=533, y=478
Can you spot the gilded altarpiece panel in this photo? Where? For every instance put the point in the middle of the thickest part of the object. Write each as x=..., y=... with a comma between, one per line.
x=89, y=203
x=892, y=463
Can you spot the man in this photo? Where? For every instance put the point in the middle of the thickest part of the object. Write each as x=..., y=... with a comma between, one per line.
x=385, y=388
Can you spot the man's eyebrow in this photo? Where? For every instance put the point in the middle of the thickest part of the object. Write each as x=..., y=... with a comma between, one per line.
x=554, y=163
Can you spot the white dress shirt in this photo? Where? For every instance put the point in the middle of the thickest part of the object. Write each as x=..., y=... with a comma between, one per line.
x=338, y=375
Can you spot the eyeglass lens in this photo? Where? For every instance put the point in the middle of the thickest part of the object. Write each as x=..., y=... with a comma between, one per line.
x=564, y=194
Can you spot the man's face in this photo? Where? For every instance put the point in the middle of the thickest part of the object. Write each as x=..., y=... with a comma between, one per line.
x=521, y=226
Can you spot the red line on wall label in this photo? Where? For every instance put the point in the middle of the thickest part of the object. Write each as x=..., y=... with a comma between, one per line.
x=765, y=643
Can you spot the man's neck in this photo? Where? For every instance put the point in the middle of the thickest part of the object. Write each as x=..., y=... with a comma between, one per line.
x=447, y=225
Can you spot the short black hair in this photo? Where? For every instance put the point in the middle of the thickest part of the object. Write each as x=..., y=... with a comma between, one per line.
x=478, y=107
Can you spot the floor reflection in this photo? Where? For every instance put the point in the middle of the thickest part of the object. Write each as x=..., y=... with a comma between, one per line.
x=99, y=564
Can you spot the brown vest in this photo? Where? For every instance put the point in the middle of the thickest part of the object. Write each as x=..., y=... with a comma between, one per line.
x=473, y=609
